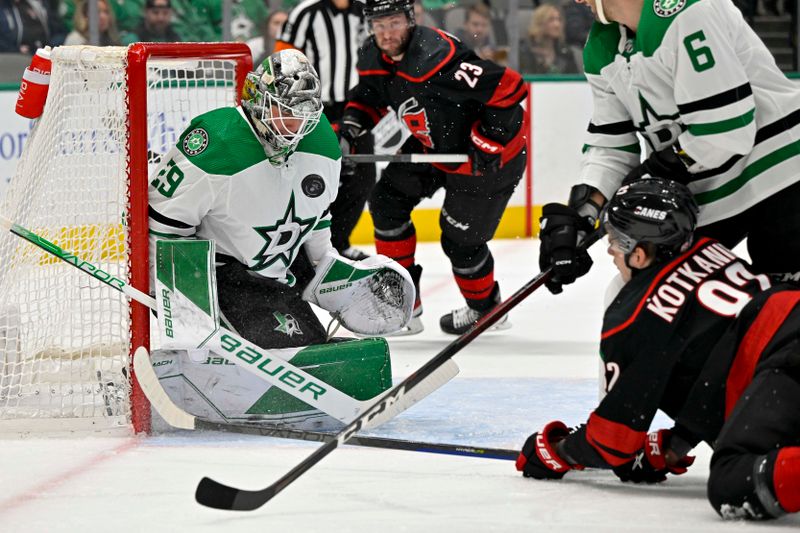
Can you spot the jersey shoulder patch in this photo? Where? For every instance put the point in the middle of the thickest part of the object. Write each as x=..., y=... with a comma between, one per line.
x=657, y=17
x=321, y=141
x=221, y=142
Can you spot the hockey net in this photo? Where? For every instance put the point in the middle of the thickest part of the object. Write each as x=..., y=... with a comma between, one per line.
x=65, y=338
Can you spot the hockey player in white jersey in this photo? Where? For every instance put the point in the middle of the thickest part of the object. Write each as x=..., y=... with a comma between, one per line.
x=258, y=180
x=692, y=80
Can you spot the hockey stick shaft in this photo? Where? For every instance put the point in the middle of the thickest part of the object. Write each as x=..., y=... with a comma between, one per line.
x=265, y=364
x=407, y=158
x=178, y=418
x=214, y=494
x=362, y=440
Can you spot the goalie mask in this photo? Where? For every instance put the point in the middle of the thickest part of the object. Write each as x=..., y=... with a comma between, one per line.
x=283, y=100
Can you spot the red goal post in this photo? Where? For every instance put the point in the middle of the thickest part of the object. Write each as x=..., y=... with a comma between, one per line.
x=138, y=55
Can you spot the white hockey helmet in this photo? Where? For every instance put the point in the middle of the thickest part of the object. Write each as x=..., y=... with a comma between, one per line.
x=283, y=98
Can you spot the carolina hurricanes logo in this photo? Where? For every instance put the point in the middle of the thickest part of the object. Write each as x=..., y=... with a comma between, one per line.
x=416, y=120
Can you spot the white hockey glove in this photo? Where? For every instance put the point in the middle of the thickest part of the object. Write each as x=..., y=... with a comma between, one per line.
x=373, y=296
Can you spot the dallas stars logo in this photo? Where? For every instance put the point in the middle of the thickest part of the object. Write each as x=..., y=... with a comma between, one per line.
x=667, y=8
x=282, y=238
x=287, y=324
x=195, y=142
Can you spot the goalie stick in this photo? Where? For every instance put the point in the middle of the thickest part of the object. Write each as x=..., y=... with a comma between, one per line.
x=214, y=494
x=178, y=418
x=332, y=401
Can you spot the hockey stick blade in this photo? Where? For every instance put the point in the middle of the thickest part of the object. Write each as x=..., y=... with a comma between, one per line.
x=407, y=158
x=214, y=494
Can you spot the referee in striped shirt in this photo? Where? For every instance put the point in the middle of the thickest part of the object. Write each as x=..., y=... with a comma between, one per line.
x=329, y=33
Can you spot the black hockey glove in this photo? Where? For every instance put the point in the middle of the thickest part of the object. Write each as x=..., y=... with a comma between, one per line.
x=650, y=465
x=560, y=227
x=484, y=153
x=349, y=131
x=539, y=459
x=667, y=163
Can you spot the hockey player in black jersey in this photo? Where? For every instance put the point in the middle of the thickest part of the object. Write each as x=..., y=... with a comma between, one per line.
x=695, y=333
x=452, y=102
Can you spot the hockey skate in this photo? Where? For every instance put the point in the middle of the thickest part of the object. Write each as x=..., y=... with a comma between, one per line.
x=458, y=321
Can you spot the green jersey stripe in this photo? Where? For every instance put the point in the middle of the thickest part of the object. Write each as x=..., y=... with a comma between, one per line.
x=751, y=171
x=713, y=128
x=630, y=148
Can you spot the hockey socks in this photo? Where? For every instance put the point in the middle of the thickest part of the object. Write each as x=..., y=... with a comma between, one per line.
x=399, y=245
x=786, y=479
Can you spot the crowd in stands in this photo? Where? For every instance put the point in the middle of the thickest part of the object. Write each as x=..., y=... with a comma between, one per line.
x=552, y=32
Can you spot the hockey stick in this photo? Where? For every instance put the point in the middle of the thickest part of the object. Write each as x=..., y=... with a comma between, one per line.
x=219, y=496
x=265, y=364
x=407, y=158
x=178, y=418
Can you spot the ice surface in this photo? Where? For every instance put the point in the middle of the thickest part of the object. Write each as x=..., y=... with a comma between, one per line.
x=511, y=383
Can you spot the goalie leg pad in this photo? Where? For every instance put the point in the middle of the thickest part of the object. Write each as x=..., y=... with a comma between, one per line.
x=218, y=390
x=373, y=296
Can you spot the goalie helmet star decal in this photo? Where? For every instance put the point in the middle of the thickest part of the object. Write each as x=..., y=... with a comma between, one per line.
x=282, y=238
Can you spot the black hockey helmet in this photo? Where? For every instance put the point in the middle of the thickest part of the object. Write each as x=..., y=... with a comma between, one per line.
x=651, y=210
x=382, y=8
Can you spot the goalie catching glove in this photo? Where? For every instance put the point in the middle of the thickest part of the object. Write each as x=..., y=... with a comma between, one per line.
x=373, y=296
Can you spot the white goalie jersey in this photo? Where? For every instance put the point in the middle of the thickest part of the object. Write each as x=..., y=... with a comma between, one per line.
x=694, y=73
x=217, y=184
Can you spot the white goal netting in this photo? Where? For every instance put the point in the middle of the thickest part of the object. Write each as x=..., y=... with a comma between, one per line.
x=64, y=336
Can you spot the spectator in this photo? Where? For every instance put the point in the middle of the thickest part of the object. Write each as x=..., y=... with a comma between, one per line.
x=261, y=47
x=577, y=23
x=128, y=13
x=156, y=25
x=198, y=20
x=545, y=51
x=201, y=20
x=26, y=25
x=423, y=18
x=107, y=25
x=477, y=31
x=247, y=17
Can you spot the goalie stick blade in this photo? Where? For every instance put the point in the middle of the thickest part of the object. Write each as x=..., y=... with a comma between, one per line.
x=219, y=496
x=155, y=393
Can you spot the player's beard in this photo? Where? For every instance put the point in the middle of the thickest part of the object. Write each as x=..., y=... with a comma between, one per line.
x=394, y=48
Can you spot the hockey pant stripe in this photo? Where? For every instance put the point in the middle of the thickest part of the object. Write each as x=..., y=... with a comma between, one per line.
x=771, y=317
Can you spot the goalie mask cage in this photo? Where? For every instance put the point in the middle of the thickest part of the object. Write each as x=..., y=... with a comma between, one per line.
x=66, y=340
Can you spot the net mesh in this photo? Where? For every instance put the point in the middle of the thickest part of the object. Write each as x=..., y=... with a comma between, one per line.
x=64, y=336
